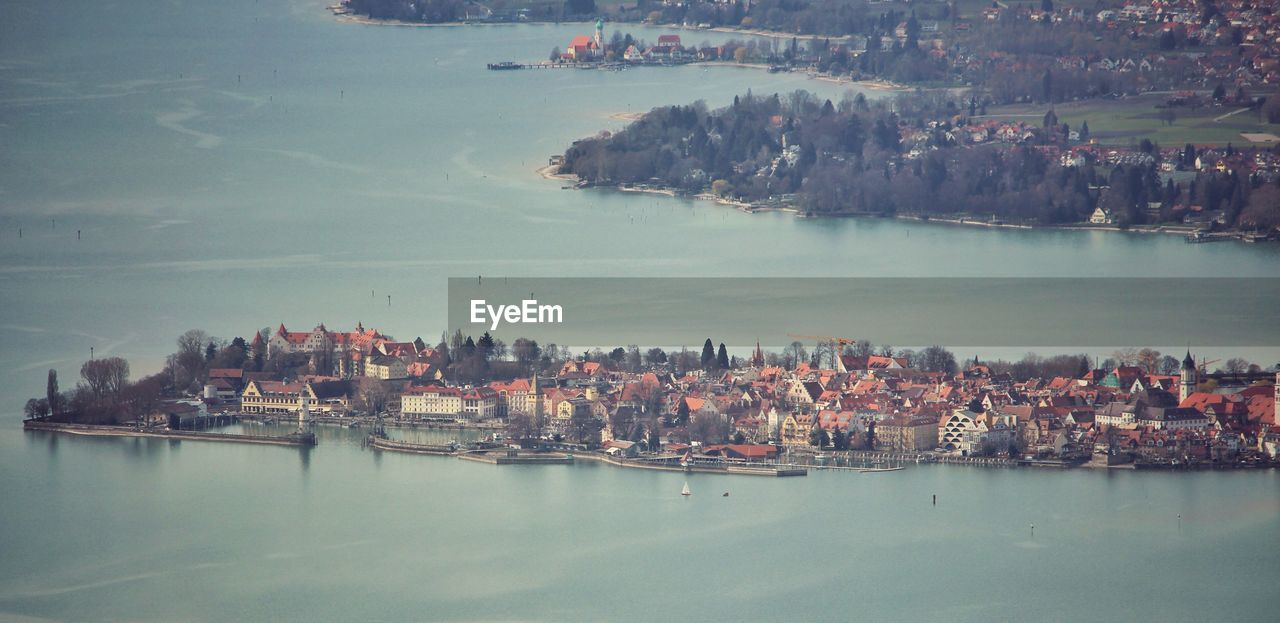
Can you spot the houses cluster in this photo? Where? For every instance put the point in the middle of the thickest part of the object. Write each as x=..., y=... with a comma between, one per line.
x=593, y=48
x=1237, y=43
x=871, y=402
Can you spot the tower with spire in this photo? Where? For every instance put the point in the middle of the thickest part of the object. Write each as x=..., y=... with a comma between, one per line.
x=1187, y=385
x=600, y=35
x=757, y=357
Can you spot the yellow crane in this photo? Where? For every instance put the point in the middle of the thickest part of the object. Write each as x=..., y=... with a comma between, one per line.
x=843, y=341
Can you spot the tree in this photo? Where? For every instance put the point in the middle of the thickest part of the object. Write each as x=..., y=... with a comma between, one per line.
x=682, y=411
x=796, y=354
x=190, y=357
x=105, y=378
x=555, y=54
x=655, y=357
x=1084, y=132
x=818, y=437
x=372, y=395
x=709, y=428
x=520, y=426
x=526, y=352
x=839, y=441
x=739, y=438
x=583, y=426
x=708, y=358
x=1236, y=365
x=1220, y=92
x=722, y=358
x=53, y=399
x=210, y=352
x=36, y=408
x=937, y=359
x=486, y=345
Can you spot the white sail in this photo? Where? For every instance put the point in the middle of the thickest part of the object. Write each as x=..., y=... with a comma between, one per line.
x=686, y=490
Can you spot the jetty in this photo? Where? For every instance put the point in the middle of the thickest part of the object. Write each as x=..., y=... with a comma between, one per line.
x=95, y=430
x=379, y=442
x=512, y=65
x=512, y=456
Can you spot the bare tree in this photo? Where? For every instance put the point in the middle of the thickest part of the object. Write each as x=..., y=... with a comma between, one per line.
x=190, y=358
x=1236, y=365
x=372, y=395
x=105, y=378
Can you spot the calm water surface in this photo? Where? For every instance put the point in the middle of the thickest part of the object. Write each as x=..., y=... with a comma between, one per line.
x=235, y=164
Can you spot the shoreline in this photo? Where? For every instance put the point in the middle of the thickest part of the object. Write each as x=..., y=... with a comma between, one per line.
x=961, y=221
x=874, y=85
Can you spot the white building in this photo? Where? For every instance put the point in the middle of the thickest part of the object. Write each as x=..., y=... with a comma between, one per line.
x=432, y=402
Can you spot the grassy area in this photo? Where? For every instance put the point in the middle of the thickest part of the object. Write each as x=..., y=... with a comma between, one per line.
x=1129, y=120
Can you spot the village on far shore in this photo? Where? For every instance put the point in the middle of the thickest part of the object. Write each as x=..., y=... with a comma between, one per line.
x=843, y=401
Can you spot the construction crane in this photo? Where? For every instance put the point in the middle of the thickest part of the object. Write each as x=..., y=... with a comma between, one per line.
x=1204, y=365
x=824, y=338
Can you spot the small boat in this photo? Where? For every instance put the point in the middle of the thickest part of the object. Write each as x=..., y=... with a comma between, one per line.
x=726, y=494
x=685, y=491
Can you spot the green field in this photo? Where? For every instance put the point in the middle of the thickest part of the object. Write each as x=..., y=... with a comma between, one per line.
x=1129, y=120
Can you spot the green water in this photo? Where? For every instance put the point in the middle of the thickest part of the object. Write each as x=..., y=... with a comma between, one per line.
x=231, y=165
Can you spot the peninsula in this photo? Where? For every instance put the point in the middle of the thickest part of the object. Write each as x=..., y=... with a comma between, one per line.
x=933, y=156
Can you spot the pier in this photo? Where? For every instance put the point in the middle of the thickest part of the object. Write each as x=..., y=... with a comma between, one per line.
x=382, y=443
x=516, y=457
x=92, y=430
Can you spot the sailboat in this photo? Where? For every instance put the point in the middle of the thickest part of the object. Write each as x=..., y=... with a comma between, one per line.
x=685, y=490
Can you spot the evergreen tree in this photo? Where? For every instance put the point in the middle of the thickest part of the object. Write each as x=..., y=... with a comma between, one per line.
x=722, y=358
x=51, y=393
x=486, y=345
x=708, y=354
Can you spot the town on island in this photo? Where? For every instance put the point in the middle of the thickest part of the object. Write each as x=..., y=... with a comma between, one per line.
x=835, y=404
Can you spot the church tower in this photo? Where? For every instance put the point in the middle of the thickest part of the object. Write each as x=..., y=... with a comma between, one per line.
x=1189, y=380
x=600, y=35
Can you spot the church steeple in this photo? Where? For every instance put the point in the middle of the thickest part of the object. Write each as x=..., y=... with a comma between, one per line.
x=1187, y=384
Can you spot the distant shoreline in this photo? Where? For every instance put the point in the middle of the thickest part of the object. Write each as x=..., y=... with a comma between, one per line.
x=547, y=173
x=875, y=85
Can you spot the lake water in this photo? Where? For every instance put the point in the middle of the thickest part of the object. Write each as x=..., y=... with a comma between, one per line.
x=232, y=165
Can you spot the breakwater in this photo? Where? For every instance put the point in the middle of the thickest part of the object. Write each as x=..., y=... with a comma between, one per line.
x=92, y=430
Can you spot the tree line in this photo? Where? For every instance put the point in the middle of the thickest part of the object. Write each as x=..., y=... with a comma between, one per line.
x=851, y=157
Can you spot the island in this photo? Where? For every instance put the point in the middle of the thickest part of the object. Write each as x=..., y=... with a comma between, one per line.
x=840, y=403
